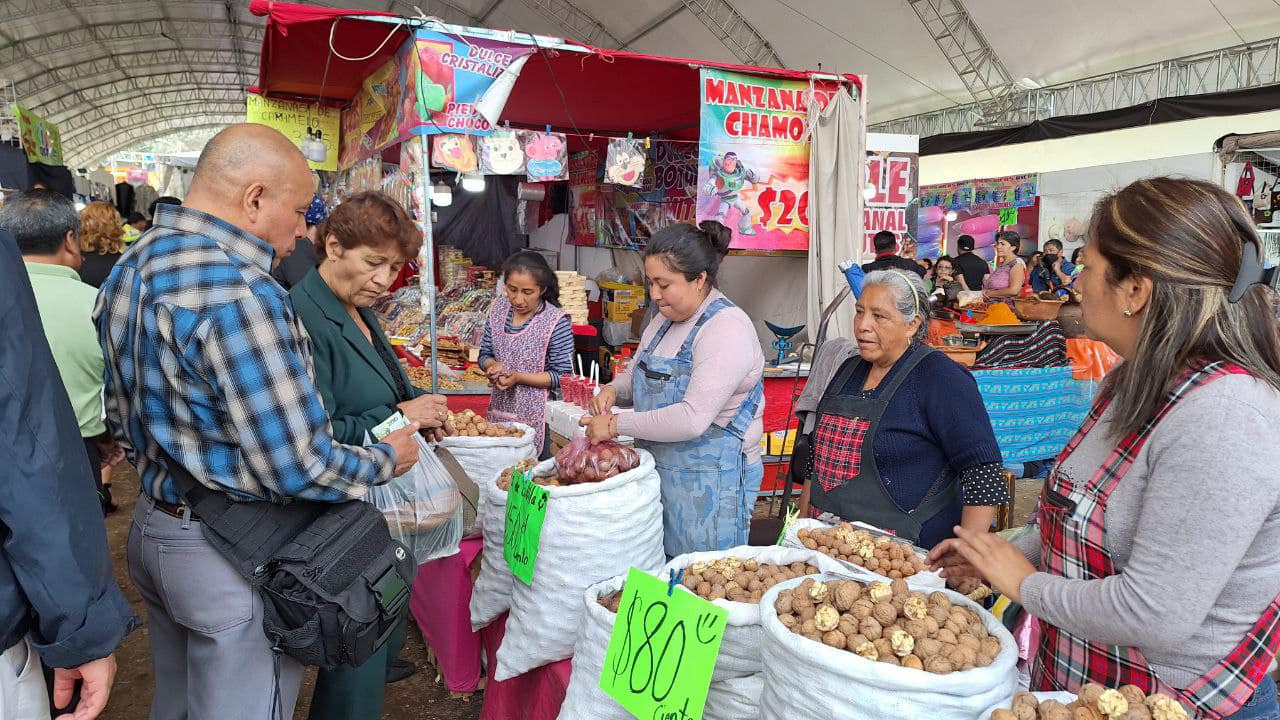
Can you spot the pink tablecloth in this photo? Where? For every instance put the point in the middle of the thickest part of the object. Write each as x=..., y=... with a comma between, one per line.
x=535, y=695
x=440, y=604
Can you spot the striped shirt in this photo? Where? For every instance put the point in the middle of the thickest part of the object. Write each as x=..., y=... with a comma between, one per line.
x=207, y=361
x=559, y=350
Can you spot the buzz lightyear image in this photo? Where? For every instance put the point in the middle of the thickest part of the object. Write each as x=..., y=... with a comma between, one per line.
x=728, y=177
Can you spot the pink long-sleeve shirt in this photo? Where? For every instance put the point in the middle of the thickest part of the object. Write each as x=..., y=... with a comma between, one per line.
x=727, y=364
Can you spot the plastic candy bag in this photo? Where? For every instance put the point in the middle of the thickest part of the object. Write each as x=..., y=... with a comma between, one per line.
x=423, y=507
x=582, y=462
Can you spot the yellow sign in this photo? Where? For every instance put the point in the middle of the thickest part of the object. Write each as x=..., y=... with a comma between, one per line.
x=293, y=118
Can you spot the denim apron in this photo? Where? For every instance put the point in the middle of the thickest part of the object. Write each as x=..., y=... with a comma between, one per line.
x=708, y=486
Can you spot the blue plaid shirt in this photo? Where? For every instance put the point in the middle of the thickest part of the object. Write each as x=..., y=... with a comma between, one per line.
x=207, y=360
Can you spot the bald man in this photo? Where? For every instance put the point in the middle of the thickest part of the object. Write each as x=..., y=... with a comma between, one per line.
x=208, y=367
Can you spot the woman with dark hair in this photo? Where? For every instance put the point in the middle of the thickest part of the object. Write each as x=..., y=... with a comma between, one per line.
x=362, y=245
x=528, y=342
x=696, y=386
x=1182, y=437
x=1010, y=275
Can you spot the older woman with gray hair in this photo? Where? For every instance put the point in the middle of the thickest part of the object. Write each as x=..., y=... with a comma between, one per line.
x=894, y=431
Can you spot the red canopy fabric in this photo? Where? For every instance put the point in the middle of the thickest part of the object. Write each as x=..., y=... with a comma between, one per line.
x=605, y=91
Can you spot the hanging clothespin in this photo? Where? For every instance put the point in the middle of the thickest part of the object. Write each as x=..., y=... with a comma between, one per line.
x=646, y=143
x=629, y=136
x=673, y=579
x=548, y=128
x=591, y=137
x=792, y=513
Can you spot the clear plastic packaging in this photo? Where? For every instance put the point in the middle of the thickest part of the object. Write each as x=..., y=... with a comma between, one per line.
x=582, y=462
x=423, y=507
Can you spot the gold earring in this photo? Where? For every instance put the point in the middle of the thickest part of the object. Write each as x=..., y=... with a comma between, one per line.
x=1128, y=313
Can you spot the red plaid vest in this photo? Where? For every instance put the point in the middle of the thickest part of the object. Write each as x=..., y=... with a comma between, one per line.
x=1073, y=545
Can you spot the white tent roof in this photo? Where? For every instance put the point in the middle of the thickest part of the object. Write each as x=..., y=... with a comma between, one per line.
x=113, y=72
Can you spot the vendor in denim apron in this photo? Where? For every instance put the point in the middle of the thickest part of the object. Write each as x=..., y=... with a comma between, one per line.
x=696, y=386
x=896, y=432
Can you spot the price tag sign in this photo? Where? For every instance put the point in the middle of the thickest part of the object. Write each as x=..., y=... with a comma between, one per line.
x=526, y=509
x=1008, y=216
x=662, y=650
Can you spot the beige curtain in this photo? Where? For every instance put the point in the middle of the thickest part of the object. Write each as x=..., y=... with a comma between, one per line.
x=837, y=158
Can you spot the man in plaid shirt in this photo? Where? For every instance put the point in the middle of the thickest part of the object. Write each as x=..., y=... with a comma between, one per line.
x=207, y=363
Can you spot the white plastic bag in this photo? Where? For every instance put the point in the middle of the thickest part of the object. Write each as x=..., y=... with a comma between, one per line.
x=583, y=699
x=807, y=679
x=592, y=532
x=931, y=580
x=491, y=592
x=740, y=646
x=482, y=458
x=734, y=699
x=423, y=507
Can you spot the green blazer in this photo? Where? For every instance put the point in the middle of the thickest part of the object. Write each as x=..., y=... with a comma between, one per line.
x=355, y=384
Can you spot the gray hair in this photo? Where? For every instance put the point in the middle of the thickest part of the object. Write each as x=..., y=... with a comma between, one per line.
x=909, y=296
x=39, y=220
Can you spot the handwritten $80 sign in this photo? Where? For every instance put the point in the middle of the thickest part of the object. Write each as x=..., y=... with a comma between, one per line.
x=662, y=650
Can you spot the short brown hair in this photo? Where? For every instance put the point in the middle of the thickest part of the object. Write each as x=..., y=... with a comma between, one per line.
x=101, y=229
x=371, y=219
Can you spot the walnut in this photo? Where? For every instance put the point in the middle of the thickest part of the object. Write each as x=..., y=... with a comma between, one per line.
x=1134, y=694
x=697, y=568
x=927, y=647
x=789, y=621
x=915, y=609
x=931, y=625
x=1164, y=707
x=890, y=660
x=751, y=565
x=938, y=665
x=818, y=591
x=807, y=627
x=826, y=618
x=847, y=593
x=941, y=599
x=961, y=618
x=868, y=651
x=1137, y=712
x=885, y=613
x=803, y=534
x=969, y=641
x=800, y=599
x=879, y=591
x=854, y=640
x=703, y=589
x=717, y=593
x=1050, y=709
x=916, y=628
x=1003, y=714
x=947, y=637
x=900, y=588
x=963, y=658
x=1027, y=712
x=862, y=611
x=903, y=643
x=1112, y=704
x=732, y=588
x=990, y=647
x=1085, y=712
x=691, y=581
x=808, y=613
x=1025, y=698
x=884, y=647
x=913, y=662
x=1089, y=693
x=871, y=628
x=834, y=638
x=939, y=614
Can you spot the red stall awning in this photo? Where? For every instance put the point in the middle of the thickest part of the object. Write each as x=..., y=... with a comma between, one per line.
x=585, y=88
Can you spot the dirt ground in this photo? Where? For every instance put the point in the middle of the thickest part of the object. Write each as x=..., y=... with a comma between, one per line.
x=421, y=697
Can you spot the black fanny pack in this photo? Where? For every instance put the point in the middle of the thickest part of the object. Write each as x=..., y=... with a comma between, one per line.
x=334, y=584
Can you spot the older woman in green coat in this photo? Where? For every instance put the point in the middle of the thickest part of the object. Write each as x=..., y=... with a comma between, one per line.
x=363, y=245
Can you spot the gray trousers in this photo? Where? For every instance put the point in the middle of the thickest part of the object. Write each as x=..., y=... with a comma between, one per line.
x=22, y=692
x=212, y=660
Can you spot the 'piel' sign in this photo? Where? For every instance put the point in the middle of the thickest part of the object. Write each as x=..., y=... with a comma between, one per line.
x=526, y=509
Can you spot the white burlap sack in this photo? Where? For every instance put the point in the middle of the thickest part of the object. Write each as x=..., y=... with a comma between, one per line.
x=734, y=699
x=592, y=532
x=482, y=458
x=740, y=646
x=838, y=685
x=583, y=699
x=491, y=592
x=931, y=579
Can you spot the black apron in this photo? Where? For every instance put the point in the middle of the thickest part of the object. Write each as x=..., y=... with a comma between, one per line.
x=845, y=478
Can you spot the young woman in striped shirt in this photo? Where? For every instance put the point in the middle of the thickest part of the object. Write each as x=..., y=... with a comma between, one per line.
x=528, y=342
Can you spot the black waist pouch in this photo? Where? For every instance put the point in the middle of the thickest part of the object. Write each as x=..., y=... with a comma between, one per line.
x=334, y=584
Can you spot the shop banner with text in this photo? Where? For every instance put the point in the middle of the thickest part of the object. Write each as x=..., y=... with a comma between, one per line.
x=293, y=119
x=753, y=158
x=894, y=207
x=41, y=139
x=437, y=83
x=1014, y=191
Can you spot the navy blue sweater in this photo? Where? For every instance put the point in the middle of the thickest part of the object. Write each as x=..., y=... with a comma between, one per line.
x=936, y=419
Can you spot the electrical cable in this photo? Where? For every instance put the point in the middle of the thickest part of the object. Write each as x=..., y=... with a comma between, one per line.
x=1228, y=22
x=334, y=27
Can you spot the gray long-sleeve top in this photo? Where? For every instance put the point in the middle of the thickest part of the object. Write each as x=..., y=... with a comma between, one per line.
x=56, y=582
x=1193, y=529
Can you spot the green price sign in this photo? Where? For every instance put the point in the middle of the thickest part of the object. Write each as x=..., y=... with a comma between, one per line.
x=1008, y=216
x=662, y=650
x=526, y=509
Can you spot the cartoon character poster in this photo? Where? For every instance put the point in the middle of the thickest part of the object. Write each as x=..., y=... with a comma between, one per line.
x=625, y=163
x=630, y=216
x=40, y=138
x=500, y=153
x=753, y=158
x=546, y=156
x=454, y=152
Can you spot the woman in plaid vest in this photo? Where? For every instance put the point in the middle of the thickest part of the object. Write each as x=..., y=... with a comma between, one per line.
x=1157, y=557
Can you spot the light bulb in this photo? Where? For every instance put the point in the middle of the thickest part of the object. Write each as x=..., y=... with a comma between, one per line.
x=473, y=183
x=951, y=216
x=441, y=195
x=869, y=191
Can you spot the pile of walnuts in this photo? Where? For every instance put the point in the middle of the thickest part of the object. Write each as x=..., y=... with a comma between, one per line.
x=1096, y=703
x=887, y=622
x=738, y=580
x=469, y=424
x=612, y=601
x=876, y=553
x=504, y=480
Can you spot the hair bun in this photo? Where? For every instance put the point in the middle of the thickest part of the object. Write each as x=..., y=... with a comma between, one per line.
x=717, y=234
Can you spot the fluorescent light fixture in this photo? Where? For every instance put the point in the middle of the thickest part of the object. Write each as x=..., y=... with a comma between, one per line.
x=473, y=183
x=951, y=216
x=441, y=195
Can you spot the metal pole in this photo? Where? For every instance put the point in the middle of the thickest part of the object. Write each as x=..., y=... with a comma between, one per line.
x=420, y=177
